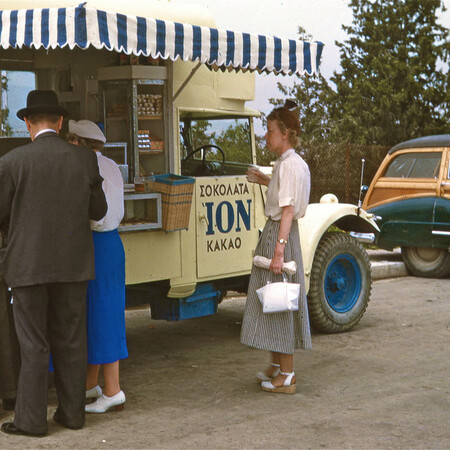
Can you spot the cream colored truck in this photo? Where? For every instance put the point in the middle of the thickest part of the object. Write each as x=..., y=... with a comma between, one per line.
x=173, y=106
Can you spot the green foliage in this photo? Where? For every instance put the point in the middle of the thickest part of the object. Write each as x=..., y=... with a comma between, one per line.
x=200, y=135
x=5, y=129
x=236, y=140
x=391, y=88
x=394, y=82
x=263, y=156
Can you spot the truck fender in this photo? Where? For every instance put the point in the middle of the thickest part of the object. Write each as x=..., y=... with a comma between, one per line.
x=320, y=216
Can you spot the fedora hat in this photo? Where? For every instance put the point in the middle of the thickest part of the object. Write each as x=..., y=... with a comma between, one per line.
x=86, y=129
x=39, y=101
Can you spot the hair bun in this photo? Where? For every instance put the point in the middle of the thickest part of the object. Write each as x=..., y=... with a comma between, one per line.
x=290, y=104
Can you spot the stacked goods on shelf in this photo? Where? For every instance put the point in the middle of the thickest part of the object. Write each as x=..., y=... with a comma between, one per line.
x=117, y=110
x=149, y=143
x=150, y=104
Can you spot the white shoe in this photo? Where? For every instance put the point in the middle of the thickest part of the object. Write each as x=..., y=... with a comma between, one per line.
x=261, y=376
x=286, y=388
x=104, y=403
x=95, y=392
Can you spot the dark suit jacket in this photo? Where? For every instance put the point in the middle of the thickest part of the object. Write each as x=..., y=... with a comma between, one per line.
x=50, y=189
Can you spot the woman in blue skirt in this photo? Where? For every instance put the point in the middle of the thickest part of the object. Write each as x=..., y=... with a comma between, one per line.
x=106, y=294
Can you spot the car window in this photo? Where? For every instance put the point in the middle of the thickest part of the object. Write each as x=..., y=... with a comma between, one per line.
x=415, y=165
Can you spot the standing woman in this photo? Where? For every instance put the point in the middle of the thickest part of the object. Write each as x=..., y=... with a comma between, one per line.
x=106, y=294
x=287, y=197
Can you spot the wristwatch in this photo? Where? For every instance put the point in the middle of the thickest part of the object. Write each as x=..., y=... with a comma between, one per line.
x=282, y=241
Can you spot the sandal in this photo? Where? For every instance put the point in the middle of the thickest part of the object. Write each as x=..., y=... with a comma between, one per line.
x=261, y=376
x=286, y=388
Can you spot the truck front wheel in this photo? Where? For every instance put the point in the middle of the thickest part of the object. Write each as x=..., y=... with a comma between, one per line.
x=340, y=283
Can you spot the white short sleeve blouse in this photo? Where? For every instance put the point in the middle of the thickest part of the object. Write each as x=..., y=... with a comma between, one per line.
x=113, y=188
x=290, y=185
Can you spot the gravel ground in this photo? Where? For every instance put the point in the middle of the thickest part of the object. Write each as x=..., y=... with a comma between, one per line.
x=191, y=384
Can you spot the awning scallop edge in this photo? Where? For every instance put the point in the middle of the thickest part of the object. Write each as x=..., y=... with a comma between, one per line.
x=82, y=27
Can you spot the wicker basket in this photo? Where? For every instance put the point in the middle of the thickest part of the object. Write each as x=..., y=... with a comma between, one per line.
x=176, y=196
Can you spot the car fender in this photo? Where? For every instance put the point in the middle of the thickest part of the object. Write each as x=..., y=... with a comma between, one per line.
x=318, y=219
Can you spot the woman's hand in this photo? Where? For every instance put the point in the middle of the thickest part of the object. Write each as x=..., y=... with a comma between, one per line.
x=277, y=262
x=254, y=175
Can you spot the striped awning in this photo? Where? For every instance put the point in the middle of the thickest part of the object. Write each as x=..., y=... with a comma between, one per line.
x=82, y=27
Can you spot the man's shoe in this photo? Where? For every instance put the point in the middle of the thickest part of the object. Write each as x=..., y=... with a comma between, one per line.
x=58, y=419
x=10, y=428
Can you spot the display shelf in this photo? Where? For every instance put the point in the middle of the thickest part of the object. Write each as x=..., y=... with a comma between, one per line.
x=122, y=117
x=151, y=152
x=151, y=117
x=142, y=212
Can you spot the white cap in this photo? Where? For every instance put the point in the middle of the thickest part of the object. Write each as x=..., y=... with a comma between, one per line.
x=86, y=129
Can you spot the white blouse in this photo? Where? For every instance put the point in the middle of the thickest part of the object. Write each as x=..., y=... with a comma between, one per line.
x=290, y=185
x=113, y=188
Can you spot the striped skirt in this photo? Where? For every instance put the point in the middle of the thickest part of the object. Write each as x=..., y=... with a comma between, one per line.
x=281, y=332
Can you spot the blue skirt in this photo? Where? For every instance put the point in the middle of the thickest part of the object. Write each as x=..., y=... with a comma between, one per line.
x=106, y=301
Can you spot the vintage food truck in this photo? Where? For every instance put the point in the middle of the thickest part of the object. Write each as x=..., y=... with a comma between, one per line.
x=170, y=91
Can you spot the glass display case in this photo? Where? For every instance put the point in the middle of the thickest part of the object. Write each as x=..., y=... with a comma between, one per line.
x=142, y=212
x=117, y=151
x=133, y=111
x=150, y=136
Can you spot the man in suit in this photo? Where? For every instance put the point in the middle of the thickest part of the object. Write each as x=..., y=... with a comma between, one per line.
x=9, y=347
x=49, y=189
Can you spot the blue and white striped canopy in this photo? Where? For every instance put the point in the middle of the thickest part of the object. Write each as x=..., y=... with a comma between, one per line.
x=84, y=27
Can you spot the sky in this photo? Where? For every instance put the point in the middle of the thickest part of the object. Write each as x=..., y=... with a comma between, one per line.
x=323, y=19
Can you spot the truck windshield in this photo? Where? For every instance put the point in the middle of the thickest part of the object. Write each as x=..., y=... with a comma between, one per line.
x=231, y=135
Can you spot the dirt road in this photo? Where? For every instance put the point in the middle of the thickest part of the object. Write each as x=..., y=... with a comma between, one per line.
x=189, y=385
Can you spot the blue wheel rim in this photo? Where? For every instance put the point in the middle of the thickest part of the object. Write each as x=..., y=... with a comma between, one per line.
x=342, y=284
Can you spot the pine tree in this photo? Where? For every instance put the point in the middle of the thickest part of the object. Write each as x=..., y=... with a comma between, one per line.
x=394, y=82
x=391, y=87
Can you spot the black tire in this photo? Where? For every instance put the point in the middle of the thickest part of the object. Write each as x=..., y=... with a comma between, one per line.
x=223, y=294
x=340, y=283
x=427, y=262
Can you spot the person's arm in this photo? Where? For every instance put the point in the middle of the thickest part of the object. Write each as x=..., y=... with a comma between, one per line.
x=254, y=175
x=287, y=216
x=97, y=204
